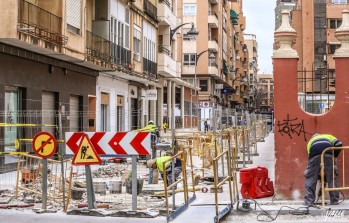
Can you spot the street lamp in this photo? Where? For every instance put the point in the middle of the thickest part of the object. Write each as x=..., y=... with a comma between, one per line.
x=191, y=32
x=197, y=57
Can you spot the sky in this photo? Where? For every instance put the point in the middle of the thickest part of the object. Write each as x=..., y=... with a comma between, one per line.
x=260, y=20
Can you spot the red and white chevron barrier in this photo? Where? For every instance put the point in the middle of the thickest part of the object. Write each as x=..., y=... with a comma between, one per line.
x=112, y=143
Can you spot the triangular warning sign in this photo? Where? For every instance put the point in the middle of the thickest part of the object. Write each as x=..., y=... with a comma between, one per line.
x=86, y=154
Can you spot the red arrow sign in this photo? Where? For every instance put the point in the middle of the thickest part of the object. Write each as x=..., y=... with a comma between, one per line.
x=115, y=143
x=112, y=143
x=72, y=142
x=95, y=139
x=136, y=143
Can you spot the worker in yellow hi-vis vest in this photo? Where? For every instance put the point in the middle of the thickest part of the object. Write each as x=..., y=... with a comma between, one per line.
x=157, y=163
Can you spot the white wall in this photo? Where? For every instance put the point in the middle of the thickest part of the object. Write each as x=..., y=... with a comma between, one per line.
x=114, y=87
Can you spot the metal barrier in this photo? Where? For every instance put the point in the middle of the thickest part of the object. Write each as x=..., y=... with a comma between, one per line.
x=218, y=184
x=183, y=179
x=29, y=172
x=322, y=173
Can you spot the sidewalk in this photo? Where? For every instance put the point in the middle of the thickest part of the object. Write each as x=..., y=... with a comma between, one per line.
x=204, y=206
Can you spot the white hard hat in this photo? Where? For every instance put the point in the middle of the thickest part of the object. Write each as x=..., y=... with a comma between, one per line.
x=151, y=122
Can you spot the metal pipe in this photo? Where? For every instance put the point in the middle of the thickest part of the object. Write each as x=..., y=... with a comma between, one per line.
x=215, y=185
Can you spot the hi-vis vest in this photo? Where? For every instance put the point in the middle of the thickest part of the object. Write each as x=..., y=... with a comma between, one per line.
x=319, y=143
x=160, y=160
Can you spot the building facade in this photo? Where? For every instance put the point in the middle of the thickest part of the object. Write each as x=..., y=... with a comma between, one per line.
x=216, y=61
x=315, y=23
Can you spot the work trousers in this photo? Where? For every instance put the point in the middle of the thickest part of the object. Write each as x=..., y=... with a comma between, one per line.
x=311, y=175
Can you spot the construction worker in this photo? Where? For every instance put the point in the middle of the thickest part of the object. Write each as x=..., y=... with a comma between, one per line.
x=316, y=145
x=151, y=127
x=164, y=126
x=157, y=163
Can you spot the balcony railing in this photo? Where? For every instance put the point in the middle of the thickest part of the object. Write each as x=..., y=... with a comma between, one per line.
x=40, y=23
x=150, y=67
x=97, y=47
x=120, y=55
x=164, y=50
x=150, y=9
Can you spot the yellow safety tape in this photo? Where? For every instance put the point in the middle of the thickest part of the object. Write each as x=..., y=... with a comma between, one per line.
x=25, y=125
x=13, y=153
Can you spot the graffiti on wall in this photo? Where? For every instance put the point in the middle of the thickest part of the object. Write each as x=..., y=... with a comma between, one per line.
x=292, y=127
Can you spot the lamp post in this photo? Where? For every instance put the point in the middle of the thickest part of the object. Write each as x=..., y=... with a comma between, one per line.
x=197, y=57
x=191, y=32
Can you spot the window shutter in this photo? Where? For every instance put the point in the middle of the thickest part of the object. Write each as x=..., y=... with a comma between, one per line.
x=73, y=8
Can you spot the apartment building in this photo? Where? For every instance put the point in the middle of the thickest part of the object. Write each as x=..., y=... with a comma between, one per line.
x=282, y=5
x=252, y=80
x=215, y=58
x=265, y=93
x=315, y=22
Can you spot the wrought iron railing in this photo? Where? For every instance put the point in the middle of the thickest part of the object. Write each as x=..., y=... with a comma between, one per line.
x=120, y=55
x=40, y=23
x=162, y=49
x=97, y=47
x=150, y=68
x=150, y=9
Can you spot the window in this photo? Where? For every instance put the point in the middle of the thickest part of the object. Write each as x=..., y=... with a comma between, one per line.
x=319, y=23
x=13, y=104
x=339, y=1
x=189, y=59
x=189, y=9
x=120, y=28
x=136, y=42
x=332, y=48
x=104, y=112
x=225, y=43
x=149, y=41
x=73, y=8
x=335, y=23
x=203, y=85
x=320, y=47
x=120, y=113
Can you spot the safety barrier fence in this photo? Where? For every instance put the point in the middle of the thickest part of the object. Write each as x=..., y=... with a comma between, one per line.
x=175, y=183
x=219, y=184
x=24, y=177
x=341, y=174
x=111, y=181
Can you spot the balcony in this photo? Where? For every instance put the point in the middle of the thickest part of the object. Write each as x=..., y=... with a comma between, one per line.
x=150, y=68
x=213, y=69
x=166, y=65
x=213, y=2
x=150, y=10
x=213, y=45
x=120, y=55
x=212, y=20
x=97, y=48
x=166, y=16
x=37, y=22
x=234, y=17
